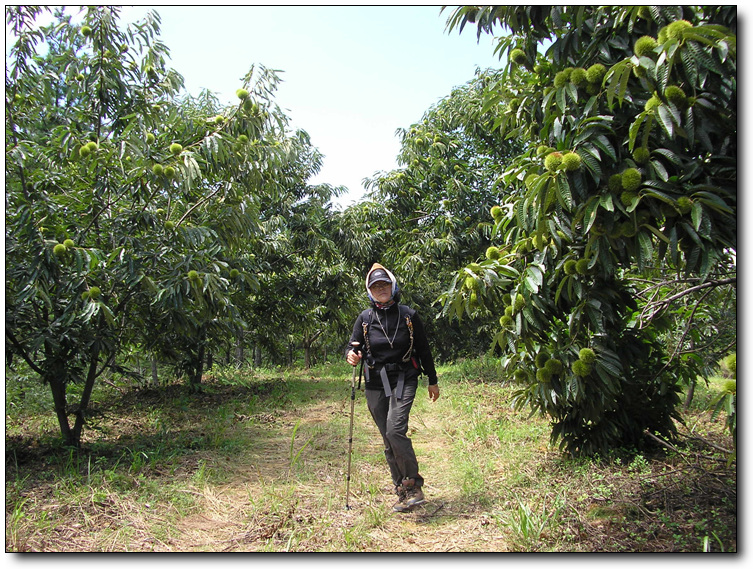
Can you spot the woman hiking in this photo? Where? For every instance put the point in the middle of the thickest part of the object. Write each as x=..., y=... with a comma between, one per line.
x=396, y=351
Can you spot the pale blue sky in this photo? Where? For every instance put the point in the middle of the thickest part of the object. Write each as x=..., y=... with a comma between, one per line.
x=351, y=74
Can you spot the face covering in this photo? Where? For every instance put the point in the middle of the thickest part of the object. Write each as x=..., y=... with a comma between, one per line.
x=384, y=306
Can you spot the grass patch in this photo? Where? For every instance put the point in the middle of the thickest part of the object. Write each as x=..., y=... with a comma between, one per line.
x=257, y=462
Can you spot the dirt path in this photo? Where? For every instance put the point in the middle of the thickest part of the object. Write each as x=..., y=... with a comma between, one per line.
x=267, y=507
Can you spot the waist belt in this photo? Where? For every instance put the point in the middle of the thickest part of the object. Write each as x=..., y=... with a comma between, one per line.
x=385, y=379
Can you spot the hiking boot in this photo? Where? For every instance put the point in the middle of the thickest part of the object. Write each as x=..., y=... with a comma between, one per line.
x=410, y=496
x=399, y=506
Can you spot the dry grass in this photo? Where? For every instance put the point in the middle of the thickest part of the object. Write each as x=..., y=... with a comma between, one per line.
x=260, y=466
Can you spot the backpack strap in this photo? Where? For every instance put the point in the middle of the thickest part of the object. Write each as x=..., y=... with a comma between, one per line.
x=366, y=323
x=409, y=323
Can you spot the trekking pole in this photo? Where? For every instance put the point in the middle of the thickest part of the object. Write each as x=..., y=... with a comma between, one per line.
x=350, y=435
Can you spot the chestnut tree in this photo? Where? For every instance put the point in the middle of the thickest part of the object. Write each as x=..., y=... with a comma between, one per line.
x=628, y=118
x=135, y=215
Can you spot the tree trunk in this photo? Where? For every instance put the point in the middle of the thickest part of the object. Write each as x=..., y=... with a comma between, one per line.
x=83, y=405
x=689, y=396
x=195, y=377
x=257, y=356
x=57, y=386
x=308, y=342
x=198, y=371
x=691, y=387
x=155, y=378
x=239, y=355
x=306, y=354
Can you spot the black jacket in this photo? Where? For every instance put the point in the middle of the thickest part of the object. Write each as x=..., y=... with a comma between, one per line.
x=389, y=342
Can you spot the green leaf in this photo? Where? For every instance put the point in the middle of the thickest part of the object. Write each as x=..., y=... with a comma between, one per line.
x=490, y=101
x=635, y=128
x=674, y=251
x=572, y=91
x=651, y=192
x=558, y=128
x=690, y=126
x=646, y=246
x=531, y=283
x=657, y=232
x=547, y=196
x=603, y=143
x=606, y=202
x=712, y=200
x=536, y=272
x=616, y=80
x=592, y=206
x=692, y=233
x=670, y=155
x=697, y=215
x=109, y=316
x=190, y=169
x=659, y=170
x=665, y=119
x=626, y=74
x=563, y=282
x=90, y=310
x=520, y=213
x=561, y=104
x=592, y=160
x=563, y=192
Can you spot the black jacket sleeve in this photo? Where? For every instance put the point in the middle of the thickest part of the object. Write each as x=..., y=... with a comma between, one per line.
x=423, y=350
x=357, y=336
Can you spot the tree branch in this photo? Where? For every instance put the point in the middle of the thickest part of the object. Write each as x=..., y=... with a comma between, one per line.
x=696, y=288
x=197, y=204
x=674, y=448
x=23, y=352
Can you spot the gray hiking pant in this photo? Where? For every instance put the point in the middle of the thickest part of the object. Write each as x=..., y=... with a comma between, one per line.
x=391, y=418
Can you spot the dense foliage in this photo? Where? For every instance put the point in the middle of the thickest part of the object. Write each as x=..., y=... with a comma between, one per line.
x=137, y=217
x=629, y=125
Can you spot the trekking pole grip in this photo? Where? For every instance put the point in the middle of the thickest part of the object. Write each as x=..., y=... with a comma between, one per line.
x=356, y=346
